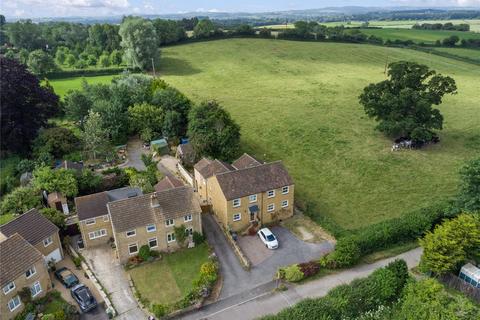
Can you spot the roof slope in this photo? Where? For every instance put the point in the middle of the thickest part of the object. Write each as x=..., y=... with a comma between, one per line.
x=169, y=182
x=245, y=161
x=136, y=212
x=208, y=168
x=244, y=182
x=16, y=257
x=32, y=226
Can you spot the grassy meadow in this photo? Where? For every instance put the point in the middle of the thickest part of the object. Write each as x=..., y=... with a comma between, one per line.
x=417, y=35
x=462, y=52
x=298, y=101
x=62, y=86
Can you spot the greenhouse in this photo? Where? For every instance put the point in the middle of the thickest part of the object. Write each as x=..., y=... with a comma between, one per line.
x=470, y=274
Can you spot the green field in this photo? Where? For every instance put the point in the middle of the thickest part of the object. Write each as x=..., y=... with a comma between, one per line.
x=61, y=86
x=426, y=36
x=298, y=101
x=462, y=52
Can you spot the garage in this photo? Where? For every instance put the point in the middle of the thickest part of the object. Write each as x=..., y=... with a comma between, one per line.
x=56, y=255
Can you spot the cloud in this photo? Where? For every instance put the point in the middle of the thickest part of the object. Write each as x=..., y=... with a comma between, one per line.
x=109, y=4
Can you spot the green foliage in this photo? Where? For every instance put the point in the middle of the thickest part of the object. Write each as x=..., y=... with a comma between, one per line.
x=213, y=132
x=198, y=238
x=77, y=104
x=146, y=119
x=159, y=310
x=139, y=42
x=40, y=63
x=469, y=195
x=449, y=244
x=77, y=261
x=293, y=273
x=115, y=58
x=104, y=60
x=403, y=103
x=141, y=179
x=55, y=216
x=61, y=180
x=88, y=182
x=347, y=253
x=25, y=165
x=180, y=234
x=427, y=300
x=203, y=29
x=144, y=252
x=20, y=200
x=94, y=137
x=57, y=141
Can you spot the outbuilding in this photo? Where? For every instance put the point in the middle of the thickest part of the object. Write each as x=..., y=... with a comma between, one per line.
x=470, y=274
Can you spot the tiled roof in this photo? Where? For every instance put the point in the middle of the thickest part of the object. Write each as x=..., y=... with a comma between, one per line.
x=208, y=168
x=16, y=257
x=169, y=182
x=31, y=225
x=95, y=205
x=136, y=212
x=244, y=182
x=245, y=161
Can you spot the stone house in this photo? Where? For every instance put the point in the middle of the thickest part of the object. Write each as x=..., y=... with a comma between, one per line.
x=38, y=231
x=22, y=266
x=247, y=192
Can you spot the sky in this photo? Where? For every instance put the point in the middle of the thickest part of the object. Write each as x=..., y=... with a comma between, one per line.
x=92, y=8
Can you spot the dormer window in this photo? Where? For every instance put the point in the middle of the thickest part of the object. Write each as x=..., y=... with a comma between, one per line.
x=236, y=203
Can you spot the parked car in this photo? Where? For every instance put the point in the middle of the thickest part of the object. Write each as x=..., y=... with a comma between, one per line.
x=268, y=238
x=66, y=277
x=84, y=297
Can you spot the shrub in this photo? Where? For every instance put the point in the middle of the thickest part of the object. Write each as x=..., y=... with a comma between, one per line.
x=159, y=310
x=154, y=253
x=198, y=238
x=347, y=253
x=77, y=261
x=293, y=273
x=309, y=268
x=144, y=252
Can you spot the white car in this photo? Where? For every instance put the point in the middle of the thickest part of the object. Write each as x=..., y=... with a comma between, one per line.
x=268, y=238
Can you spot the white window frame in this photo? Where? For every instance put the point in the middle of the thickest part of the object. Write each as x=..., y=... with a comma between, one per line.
x=252, y=198
x=16, y=298
x=156, y=243
x=91, y=221
x=171, y=237
x=188, y=218
x=48, y=241
x=32, y=271
x=239, y=217
x=106, y=218
x=236, y=202
x=10, y=286
x=189, y=231
x=150, y=226
x=271, y=207
x=285, y=190
x=132, y=245
x=37, y=283
x=168, y=224
x=284, y=203
x=270, y=193
x=101, y=233
x=130, y=231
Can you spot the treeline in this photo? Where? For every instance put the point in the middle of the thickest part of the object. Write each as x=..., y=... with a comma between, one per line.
x=444, y=26
x=425, y=14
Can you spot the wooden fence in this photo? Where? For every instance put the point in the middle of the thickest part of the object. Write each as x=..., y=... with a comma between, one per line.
x=456, y=283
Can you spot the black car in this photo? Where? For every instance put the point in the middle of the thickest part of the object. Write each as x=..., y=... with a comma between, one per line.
x=84, y=297
x=66, y=277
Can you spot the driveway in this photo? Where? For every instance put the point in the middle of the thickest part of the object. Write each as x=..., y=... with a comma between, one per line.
x=98, y=313
x=112, y=276
x=135, y=150
x=236, y=280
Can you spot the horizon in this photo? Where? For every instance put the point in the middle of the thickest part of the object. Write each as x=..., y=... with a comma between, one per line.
x=41, y=9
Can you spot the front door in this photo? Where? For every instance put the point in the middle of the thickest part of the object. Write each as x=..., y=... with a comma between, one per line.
x=252, y=216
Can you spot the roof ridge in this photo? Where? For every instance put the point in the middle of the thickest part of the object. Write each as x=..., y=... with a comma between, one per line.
x=248, y=168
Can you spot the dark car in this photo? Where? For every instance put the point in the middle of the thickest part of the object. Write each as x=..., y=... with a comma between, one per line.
x=84, y=297
x=66, y=277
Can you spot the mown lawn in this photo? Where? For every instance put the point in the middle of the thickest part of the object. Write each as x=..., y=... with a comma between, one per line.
x=425, y=36
x=169, y=279
x=298, y=101
x=62, y=86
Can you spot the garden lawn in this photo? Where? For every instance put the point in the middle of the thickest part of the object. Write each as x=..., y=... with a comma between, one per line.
x=169, y=279
x=417, y=36
x=62, y=86
x=298, y=102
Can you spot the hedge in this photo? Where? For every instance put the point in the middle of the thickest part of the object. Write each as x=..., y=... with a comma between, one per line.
x=382, y=287
x=87, y=72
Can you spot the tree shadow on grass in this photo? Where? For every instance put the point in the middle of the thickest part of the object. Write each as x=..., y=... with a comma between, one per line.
x=170, y=66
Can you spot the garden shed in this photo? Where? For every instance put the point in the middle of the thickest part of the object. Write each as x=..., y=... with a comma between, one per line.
x=160, y=146
x=470, y=274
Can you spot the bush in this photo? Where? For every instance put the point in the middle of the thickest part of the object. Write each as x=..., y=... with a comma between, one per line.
x=293, y=273
x=347, y=253
x=309, y=268
x=144, y=252
x=77, y=261
x=159, y=310
x=198, y=238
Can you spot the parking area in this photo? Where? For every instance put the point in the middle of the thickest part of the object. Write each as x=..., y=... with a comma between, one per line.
x=97, y=314
x=290, y=250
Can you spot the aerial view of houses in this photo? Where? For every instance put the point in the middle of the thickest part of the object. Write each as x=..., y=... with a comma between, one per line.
x=242, y=160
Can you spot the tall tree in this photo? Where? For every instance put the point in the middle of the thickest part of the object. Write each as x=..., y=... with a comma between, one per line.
x=60, y=180
x=20, y=200
x=146, y=119
x=95, y=137
x=139, y=40
x=57, y=141
x=403, y=103
x=77, y=104
x=26, y=34
x=40, y=62
x=204, y=28
x=213, y=132
x=25, y=106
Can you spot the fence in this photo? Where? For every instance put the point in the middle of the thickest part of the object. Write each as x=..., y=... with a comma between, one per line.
x=184, y=173
x=456, y=283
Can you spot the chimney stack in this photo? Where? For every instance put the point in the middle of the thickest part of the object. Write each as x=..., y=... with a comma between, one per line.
x=154, y=200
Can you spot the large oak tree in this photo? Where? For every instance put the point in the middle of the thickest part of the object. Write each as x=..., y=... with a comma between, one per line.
x=403, y=104
x=25, y=106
